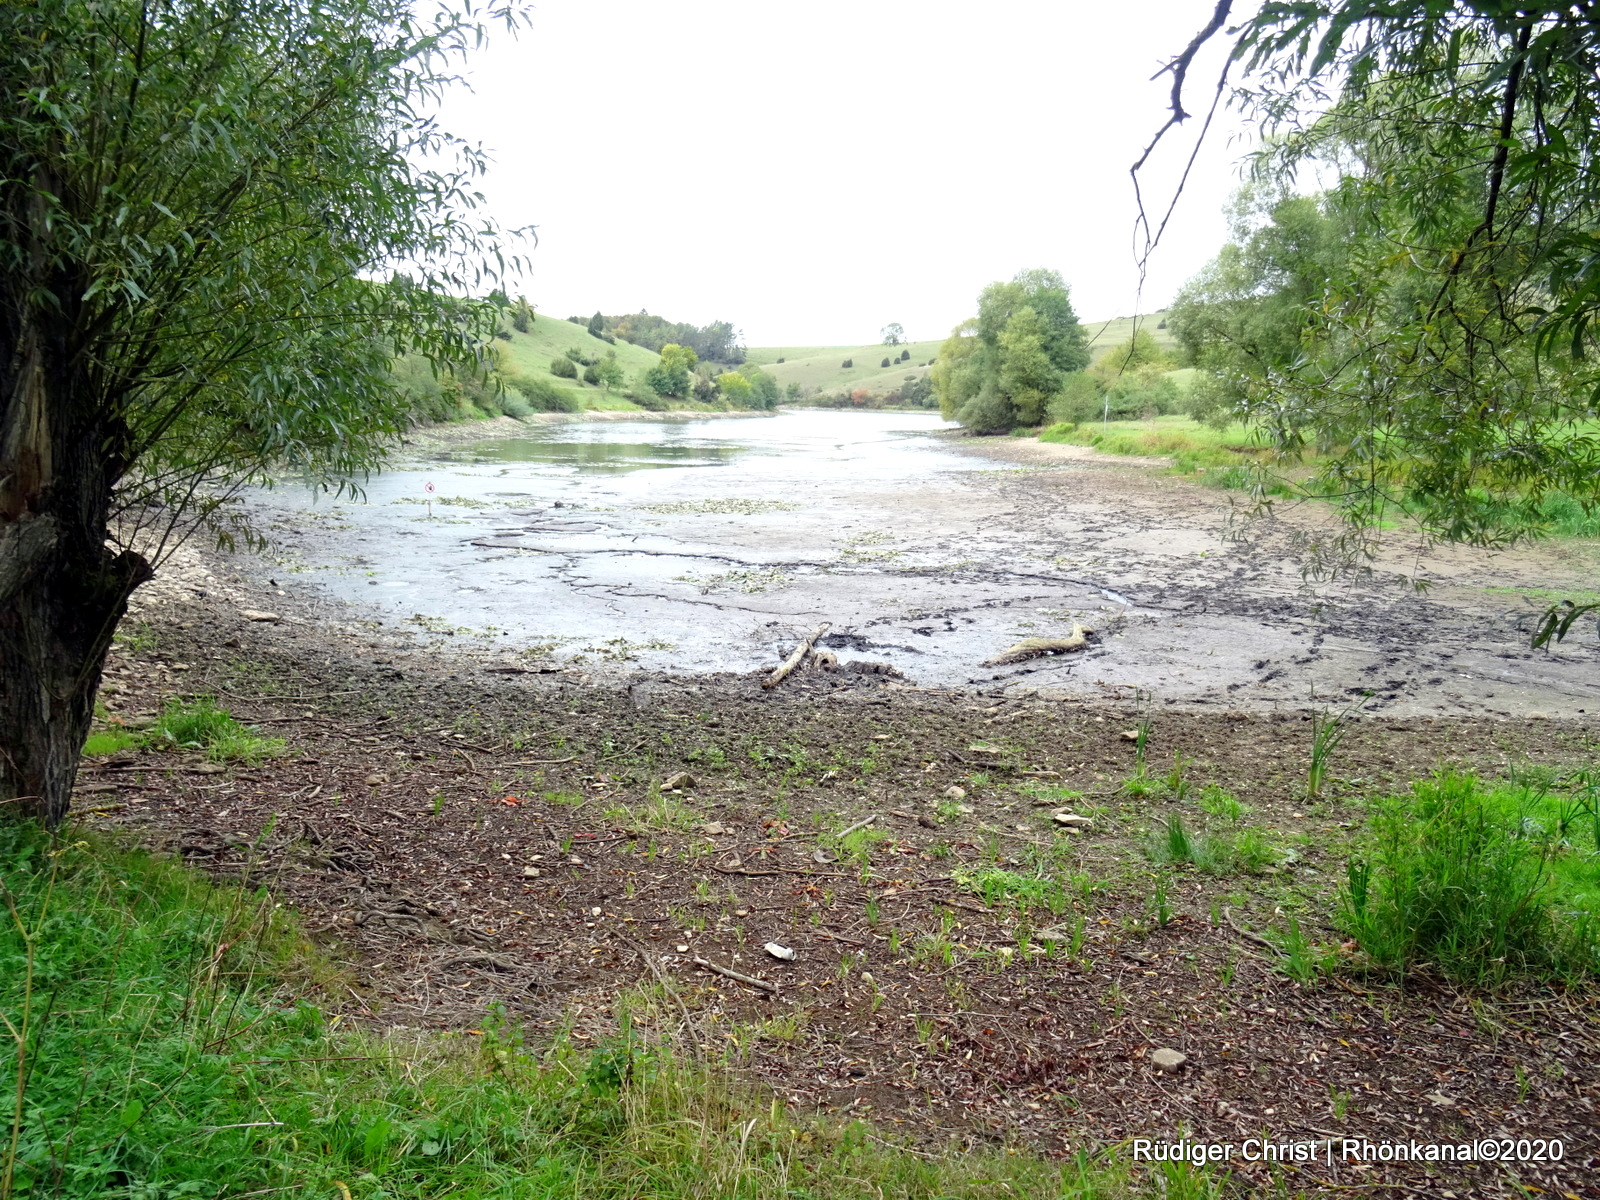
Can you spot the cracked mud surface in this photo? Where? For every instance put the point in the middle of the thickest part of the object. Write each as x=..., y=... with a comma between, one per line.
x=708, y=546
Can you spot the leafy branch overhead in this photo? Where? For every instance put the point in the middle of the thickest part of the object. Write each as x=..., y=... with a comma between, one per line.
x=1426, y=323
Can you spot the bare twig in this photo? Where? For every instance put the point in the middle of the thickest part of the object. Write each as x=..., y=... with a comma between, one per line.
x=739, y=975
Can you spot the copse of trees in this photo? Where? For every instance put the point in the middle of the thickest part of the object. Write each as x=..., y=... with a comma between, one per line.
x=672, y=376
x=717, y=342
x=1000, y=369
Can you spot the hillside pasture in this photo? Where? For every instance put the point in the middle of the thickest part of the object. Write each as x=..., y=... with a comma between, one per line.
x=819, y=369
x=529, y=354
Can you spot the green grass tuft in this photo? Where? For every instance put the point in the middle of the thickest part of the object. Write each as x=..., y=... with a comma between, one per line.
x=1476, y=881
x=202, y=725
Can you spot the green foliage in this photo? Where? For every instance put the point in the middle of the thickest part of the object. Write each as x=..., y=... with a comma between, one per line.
x=1434, y=313
x=597, y=325
x=884, y=363
x=847, y=364
x=717, y=342
x=735, y=388
x=202, y=725
x=563, y=368
x=1000, y=370
x=893, y=334
x=591, y=374
x=997, y=885
x=1141, y=350
x=672, y=376
x=1458, y=875
x=541, y=395
x=279, y=194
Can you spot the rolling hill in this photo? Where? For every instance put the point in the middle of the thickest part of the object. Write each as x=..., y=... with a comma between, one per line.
x=529, y=354
x=821, y=369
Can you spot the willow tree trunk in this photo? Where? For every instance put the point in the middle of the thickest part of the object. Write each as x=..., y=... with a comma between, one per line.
x=62, y=589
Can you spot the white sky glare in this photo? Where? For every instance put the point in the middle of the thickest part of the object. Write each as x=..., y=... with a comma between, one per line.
x=814, y=171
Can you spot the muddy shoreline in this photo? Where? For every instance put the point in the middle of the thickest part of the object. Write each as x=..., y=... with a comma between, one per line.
x=462, y=837
x=465, y=827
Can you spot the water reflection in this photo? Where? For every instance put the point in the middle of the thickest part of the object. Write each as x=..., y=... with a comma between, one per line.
x=598, y=456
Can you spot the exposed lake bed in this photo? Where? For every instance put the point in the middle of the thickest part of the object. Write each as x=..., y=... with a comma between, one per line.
x=472, y=816
x=705, y=547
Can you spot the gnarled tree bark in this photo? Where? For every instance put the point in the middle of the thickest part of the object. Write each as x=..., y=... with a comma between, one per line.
x=62, y=588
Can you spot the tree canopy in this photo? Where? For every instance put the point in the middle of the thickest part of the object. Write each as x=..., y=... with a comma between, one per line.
x=197, y=204
x=1428, y=320
x=1000, y=369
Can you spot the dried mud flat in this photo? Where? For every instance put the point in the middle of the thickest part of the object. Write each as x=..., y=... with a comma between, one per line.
x=464, y=831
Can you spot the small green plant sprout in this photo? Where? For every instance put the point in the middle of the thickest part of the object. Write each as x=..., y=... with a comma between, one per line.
x=1215, y=802
x=1160, y=906
x=1327, y=731
x=1301, y=960
x=997, y=885
x=1177, y=778
x=1141, y=734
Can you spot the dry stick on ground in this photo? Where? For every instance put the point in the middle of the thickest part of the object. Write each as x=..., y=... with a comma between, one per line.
x=538, y=762
x=1227, y=915
x=861, y=824
x=739, y=975
x=795, y=659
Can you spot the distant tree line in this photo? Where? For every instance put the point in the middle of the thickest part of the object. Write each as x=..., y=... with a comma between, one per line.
x=717, y=342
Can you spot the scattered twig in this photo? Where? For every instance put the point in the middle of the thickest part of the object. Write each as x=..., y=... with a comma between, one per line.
x=738, y=975
x=539, y=762
x=861, y=824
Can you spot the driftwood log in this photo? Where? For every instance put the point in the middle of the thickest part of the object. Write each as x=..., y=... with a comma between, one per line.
x=795, y=659
x=1039, y=647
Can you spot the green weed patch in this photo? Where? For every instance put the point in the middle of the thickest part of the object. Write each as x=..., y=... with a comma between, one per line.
x=1479, y=882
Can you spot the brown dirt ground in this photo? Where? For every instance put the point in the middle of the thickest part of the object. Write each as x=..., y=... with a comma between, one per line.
x=464, y=836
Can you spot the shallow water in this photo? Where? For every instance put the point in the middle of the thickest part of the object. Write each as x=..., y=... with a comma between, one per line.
x=698, y=546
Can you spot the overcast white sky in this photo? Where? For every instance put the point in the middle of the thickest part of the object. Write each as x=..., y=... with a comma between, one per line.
x=814, y=171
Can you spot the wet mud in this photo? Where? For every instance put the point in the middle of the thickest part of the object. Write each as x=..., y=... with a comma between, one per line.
x=699, y=547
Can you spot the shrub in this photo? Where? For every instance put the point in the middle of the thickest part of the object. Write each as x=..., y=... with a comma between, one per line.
x=905, y=355
x=847, y=364
x=543, y=396
x=591, y=374
x=780, y=358
x=563, y=368
x=1458, y=877
x=884, y=363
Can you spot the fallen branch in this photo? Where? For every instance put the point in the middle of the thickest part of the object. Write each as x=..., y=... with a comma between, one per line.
x=539, y=762
x=738, y=975
x=1039, y=647
x=795, y=659
x=1227, y=915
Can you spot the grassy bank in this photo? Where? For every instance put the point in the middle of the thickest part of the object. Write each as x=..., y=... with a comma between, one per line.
x=170, y=1037
x=1234, y=457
